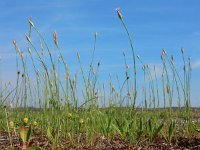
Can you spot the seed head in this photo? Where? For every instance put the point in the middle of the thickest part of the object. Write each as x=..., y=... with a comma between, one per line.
x=66, y=75
x=31, y=22
x=55, y=38
x=168, y=89
x=78, y=56
x=127, y=67
x=14, y=43
x=22, y=75
x=182, y=50
x=138, y=57
x=164, y=52
x=44, y=75
x=29, y=50
x=172, y=57
x=119, y=13
x=28, y=39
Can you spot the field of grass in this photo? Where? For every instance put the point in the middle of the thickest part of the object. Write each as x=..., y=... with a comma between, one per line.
x=108, y=117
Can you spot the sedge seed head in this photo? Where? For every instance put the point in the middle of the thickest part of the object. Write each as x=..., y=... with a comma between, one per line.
x=182, y=50
x=28, y=39
x=31, y=22
x=119, y=13
x=55, y=38
x=78, y=56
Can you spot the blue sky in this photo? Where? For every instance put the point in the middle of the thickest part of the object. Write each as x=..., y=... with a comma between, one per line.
x=168, y=24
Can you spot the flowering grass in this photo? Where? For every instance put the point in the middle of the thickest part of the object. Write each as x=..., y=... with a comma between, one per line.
x=104, y=114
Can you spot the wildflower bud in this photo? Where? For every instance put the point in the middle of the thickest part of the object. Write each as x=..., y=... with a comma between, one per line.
x=11, y=124
x=34, y=123
x=119, y=13
x=55, y=38
x=25, y=120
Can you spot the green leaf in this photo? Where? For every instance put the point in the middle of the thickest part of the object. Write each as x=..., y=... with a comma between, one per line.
x=49, y=134
x=198, y=130
x=158, y=130
x=170, y=131
x=23, y=134
x=28, y=134
x=150, y=126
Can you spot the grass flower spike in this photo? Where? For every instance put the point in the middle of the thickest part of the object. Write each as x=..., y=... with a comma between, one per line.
x=119, y=13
